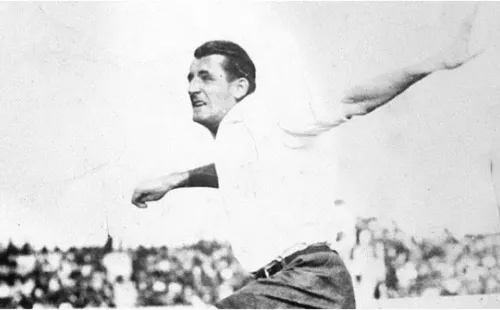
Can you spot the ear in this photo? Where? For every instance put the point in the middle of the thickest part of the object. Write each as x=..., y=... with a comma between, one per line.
x=239, y=88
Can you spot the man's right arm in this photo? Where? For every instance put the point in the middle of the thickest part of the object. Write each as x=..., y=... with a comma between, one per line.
x=204, y=176
x=154, y=190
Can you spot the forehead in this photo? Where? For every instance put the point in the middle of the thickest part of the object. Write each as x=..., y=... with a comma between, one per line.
x=211, y=63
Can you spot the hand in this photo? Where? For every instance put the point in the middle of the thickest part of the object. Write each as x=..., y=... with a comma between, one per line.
x=458, y=52
x=154, y=190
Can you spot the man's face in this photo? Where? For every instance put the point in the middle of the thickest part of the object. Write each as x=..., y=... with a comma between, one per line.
x=210, y=91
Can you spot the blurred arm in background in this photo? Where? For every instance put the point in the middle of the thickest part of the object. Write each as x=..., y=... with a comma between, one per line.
x=366, y=97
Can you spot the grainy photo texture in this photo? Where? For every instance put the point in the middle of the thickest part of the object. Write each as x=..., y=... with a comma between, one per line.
x=249, y=154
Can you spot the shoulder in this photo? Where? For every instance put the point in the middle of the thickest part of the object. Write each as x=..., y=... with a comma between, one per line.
x=237, y=128
x=256, y=113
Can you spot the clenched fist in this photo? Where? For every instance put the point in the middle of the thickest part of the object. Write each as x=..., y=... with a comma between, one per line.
x=154, y=190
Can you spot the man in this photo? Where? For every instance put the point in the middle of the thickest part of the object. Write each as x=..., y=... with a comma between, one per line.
x=280, y=232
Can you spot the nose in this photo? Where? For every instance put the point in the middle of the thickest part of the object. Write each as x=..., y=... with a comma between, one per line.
x=194, y=86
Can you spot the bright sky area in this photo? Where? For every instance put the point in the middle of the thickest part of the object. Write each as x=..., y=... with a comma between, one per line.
x=93, y=100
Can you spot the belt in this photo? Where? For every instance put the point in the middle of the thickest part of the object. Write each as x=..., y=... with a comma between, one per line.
x=279, y=263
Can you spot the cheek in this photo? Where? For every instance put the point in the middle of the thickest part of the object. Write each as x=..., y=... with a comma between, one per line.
x=218, y=99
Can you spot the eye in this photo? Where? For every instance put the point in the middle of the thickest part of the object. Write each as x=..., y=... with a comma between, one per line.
x=206, y=77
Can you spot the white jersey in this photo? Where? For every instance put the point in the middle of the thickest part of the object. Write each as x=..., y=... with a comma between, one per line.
x=279, y=188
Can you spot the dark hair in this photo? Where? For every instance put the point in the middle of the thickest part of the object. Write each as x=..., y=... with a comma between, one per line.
x=237, y=64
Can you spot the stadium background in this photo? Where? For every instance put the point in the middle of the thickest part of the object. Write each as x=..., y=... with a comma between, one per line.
x=384, y=261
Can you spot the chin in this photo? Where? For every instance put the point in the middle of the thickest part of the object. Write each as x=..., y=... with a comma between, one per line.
x=201, y=120
x=198, y=119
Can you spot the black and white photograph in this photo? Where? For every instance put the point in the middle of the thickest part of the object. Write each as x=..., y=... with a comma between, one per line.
x=249, y=154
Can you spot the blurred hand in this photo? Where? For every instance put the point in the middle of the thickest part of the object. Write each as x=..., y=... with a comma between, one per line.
x=458, y=52
x=154, y=190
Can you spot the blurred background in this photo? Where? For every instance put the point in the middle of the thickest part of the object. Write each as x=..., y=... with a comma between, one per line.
x=384, y=261
x=93, y=100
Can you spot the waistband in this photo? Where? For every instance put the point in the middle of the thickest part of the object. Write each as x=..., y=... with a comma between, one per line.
x=279, y=263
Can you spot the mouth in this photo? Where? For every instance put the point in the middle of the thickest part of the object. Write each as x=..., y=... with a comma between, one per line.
x=197, y=103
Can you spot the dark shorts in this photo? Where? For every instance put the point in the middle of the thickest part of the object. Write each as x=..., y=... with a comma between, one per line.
x=318, y=280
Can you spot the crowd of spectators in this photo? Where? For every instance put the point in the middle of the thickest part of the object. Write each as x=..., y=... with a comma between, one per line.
x=55, y=278
x=197, y=275
x=384, y=263
x=388, y=263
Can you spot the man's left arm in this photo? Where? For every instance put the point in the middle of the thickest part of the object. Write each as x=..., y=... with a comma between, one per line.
x=366, y=97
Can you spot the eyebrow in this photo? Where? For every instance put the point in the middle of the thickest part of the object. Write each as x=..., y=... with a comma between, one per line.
x=201, y=72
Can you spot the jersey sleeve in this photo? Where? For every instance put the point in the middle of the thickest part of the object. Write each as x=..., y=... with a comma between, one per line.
x=310, y=113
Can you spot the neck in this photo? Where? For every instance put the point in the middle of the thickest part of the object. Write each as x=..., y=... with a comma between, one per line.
x=213, y=129
x=212, y=126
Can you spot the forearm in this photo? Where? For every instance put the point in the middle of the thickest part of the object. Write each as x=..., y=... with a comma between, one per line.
x=368, y=96
x=204, y=176
x=155, y=190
